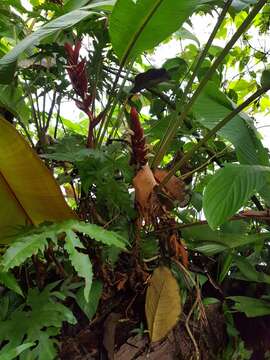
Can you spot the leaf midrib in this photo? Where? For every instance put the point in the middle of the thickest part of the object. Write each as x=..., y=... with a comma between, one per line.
x=141, y=28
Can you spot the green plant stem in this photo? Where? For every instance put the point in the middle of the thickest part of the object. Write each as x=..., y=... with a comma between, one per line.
x=105, y=124
x=49, y=117
x=140, y=31
x=23, y=126
x=198, y=63
x=212, y=132
x=174, y=126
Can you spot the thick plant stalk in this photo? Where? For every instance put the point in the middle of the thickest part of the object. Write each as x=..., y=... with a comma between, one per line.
x=212, y=132
x=174, y=126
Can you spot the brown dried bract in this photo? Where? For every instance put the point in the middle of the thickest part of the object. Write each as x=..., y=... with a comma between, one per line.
x=144, y=183
x=175, y=189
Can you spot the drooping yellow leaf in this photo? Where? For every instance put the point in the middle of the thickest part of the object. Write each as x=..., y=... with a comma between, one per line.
x=163, y=303
x=29, y=193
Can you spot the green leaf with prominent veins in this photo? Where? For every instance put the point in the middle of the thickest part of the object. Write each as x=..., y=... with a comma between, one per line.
x=141, y=25
x=229, y=189
x=8, y=62
x=29, y=193
x=240, y=131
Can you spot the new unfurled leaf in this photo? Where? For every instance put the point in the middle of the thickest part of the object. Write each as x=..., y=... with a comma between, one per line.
x=163, y=303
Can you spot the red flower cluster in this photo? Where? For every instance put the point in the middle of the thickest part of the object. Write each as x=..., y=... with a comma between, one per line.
x=139, y=147
x=78, y=75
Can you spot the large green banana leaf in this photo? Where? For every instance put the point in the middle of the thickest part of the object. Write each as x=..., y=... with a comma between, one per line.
x=29, y=193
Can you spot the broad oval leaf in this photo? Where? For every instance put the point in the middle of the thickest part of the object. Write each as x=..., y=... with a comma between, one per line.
x=29, y=193
x=229, y=189
x=163, y=303
x=240, y=131
x=141, y=25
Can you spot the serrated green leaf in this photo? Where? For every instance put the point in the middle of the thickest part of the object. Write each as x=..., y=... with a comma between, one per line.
x=25, y=244
x=9, y=281
x=45, y=350
x=229, y=189
x=100, y=234
x=81, y=262
x=141, y=25
x=22, y=250
x=36, y=321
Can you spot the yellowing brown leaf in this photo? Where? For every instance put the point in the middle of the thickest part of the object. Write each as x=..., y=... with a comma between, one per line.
x=144, y=184
x=163, y=303
x=174, y=188
x=29, y=193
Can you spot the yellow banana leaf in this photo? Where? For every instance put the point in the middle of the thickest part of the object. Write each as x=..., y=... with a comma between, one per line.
x=29, y=193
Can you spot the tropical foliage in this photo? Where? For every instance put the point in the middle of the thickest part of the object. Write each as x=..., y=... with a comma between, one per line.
x=134, y=187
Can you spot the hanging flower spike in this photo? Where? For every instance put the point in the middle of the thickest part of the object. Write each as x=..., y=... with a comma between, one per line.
x=139, y=147
x=78, y=75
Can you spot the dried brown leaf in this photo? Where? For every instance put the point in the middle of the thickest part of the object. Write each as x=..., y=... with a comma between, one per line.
x=144, y=184
x=174, y=188
x=163, y=303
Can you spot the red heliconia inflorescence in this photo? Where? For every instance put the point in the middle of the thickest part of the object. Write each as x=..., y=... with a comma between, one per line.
x=78, y=75
x=139, y=147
